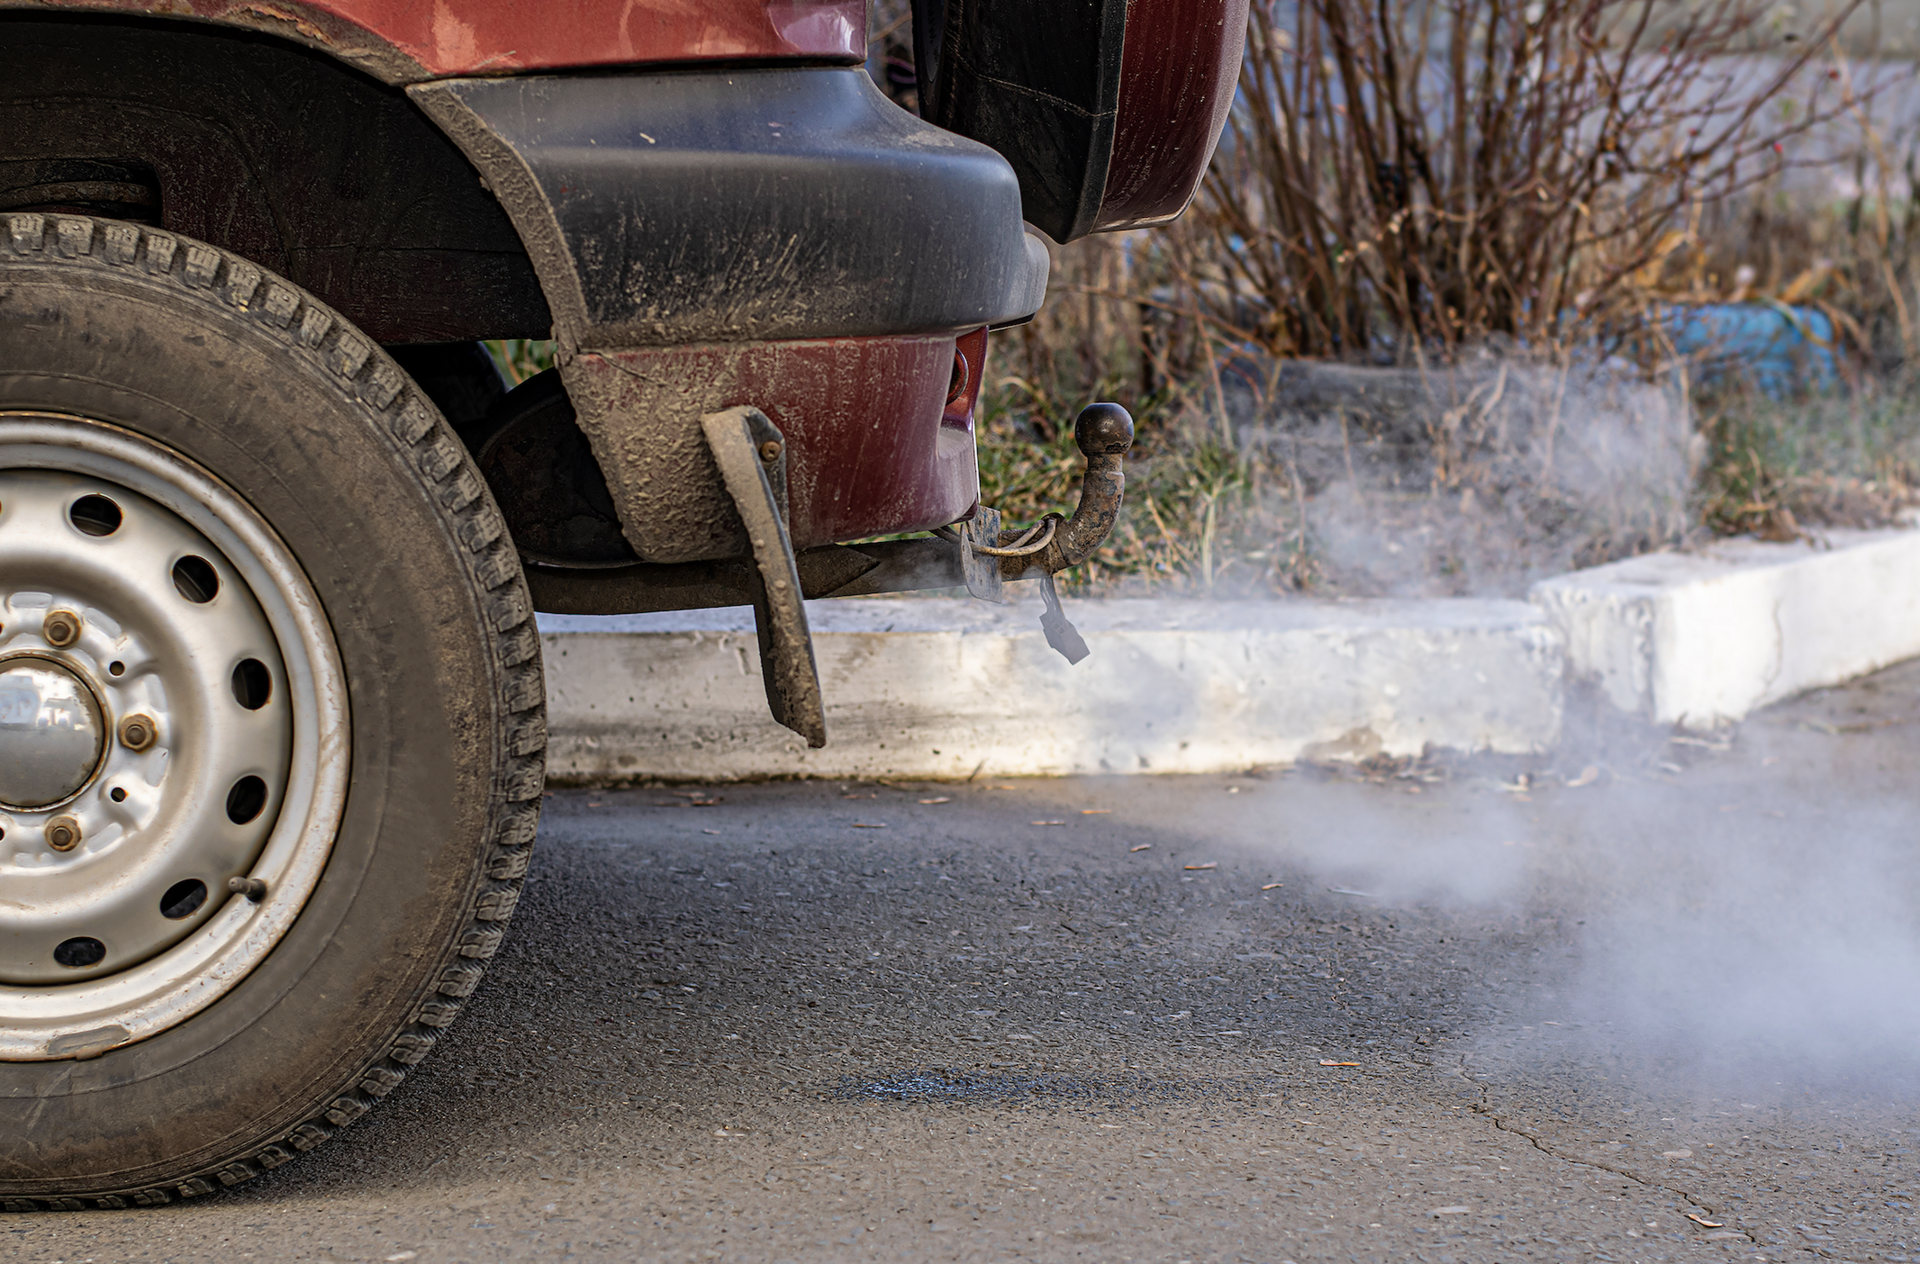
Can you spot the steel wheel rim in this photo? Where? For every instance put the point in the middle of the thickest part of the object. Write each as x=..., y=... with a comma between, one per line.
x=174, y=815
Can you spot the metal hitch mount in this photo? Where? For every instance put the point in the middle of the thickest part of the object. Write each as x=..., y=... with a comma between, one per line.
x=1103, y=433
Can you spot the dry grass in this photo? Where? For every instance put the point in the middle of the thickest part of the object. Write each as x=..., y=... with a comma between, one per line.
x=520, y=358
x=1776, y=469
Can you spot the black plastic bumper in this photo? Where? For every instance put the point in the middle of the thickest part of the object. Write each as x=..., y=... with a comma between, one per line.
x=703, y=206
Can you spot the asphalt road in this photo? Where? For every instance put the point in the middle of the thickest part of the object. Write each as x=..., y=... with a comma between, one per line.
x=1646, y=1000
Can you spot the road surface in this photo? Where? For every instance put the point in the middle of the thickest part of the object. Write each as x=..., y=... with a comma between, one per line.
x=1643, y=1000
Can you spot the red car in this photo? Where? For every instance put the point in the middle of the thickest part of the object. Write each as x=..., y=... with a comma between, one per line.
x=273, y=532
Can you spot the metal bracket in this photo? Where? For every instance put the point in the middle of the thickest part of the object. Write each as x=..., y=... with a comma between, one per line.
x=752, y=456
x=1059, y=630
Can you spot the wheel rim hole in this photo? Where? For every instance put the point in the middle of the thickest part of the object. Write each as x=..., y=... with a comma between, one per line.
x=80, y=952
x=95, y=515
x=117, y=795
x=252, y=684
x=244, y=801
x=183, y=899
x=196, y=579
x=116, y=668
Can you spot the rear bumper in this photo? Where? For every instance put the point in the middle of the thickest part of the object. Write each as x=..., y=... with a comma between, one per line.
x=784, y=238
x=701, y=206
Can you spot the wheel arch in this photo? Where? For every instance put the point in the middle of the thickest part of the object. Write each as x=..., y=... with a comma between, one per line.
x=260, y=144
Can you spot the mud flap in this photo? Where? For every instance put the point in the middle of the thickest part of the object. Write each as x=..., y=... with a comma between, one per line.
x=752, y=456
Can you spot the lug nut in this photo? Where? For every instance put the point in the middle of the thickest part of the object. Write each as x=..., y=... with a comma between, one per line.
x=63, y=833
x=137, y=732
x=770, y=451
x=62, y=628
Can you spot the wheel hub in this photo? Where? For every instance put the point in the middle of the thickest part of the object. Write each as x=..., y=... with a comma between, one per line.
x=52, y=737
x=172, y=720
x=138, y=772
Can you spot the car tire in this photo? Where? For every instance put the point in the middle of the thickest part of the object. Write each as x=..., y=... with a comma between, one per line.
x=235, y=409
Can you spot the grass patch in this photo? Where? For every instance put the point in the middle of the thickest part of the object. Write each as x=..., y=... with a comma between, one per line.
x=1773, y=468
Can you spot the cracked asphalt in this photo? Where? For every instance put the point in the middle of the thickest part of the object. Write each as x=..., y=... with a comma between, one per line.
x=1644, y=1000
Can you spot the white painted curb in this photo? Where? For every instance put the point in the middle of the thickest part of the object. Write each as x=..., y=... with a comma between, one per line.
x=1704, y=638
x=934, y=687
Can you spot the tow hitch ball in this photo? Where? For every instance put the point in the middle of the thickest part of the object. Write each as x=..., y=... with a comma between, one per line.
x=1103, y=433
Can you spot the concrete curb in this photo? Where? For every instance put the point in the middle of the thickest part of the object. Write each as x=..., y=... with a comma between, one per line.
x=929, y=687
x=1704, y=638
x=942, y=688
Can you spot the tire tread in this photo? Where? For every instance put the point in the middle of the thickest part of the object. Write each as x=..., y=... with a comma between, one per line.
x=398, y=409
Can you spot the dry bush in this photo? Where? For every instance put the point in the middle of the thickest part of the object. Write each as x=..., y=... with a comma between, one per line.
x=1473, y=190
x=1840, y=238
x=1409, y=177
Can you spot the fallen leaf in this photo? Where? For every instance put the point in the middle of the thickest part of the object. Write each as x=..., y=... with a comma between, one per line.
x=1141, y=847
x=1272, y=886
x=1588, y=775
x=1702, y=1220
x=1331, y=1062
x=866, y=825
x=1451, y=1211
x=1096, y=811
x=1048, y=822
x=1209, y=865
x=942, y=799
